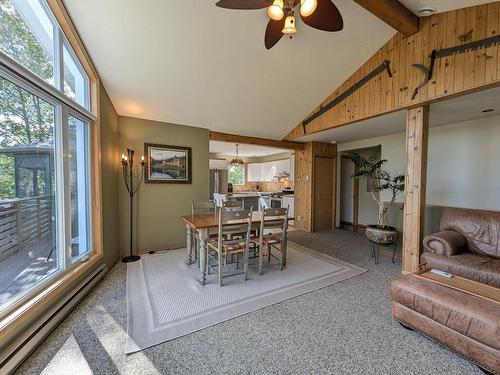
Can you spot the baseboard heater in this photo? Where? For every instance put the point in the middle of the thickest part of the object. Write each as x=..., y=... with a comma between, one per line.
x=57, y=314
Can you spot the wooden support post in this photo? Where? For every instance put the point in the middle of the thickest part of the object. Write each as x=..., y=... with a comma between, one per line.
x=417, y=131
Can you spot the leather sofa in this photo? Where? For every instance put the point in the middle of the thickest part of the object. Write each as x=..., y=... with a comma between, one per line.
x=467, y=245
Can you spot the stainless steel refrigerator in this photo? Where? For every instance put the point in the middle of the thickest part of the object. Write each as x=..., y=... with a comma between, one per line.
x=218, y=182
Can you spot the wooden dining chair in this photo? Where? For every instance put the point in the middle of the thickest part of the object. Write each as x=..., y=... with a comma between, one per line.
x=221, y=248
x=199, y=208
x=274, y=221
x=233, y=205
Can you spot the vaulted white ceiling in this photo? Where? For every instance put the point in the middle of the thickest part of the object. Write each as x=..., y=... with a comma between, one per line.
x=189, y=62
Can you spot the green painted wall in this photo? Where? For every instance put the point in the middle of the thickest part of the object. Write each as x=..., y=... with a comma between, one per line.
x=110, y=167
x=158, y=207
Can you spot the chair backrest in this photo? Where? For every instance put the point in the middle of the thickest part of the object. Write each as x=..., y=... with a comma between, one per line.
x=202, y=208
x=263, y=204
x=234, y=222
x=232, y=205
x=219, y=199
x=275, y=219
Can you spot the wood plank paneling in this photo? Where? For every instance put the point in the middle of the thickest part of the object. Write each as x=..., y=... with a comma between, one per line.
x=458, y=78
x=417, y=130
x=452, y=75
x=491, y=55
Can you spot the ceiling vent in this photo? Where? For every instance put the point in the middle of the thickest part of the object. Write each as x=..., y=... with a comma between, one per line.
x=426, y=11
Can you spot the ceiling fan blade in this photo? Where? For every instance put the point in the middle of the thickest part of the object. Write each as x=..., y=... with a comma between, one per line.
x=243, y=4
x=273, y=32
x=326, y=17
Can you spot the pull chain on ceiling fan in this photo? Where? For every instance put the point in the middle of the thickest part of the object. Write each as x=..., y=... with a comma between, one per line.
x=319, y=14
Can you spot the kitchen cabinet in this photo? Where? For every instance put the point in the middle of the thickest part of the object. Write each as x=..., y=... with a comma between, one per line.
x=254, y=172
x=272, y=168
x=265, y=172
x=217, y=163
x=282, y=166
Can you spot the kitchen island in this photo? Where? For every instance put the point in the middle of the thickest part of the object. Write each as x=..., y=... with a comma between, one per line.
x=250, y=199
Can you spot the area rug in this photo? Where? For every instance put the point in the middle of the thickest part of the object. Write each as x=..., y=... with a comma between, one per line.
x=166, y=301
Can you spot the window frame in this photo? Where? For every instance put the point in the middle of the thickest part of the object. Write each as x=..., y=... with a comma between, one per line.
x=24, y=78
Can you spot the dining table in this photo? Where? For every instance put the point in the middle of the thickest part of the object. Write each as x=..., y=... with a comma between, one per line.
x=200, y=224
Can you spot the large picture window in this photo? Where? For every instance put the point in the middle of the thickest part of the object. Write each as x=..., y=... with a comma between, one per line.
x=45, y=152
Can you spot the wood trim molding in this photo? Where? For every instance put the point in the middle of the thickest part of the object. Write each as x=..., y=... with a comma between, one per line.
x=234, y=138
x=453, y=75
x=394, y=14
x=417, y=133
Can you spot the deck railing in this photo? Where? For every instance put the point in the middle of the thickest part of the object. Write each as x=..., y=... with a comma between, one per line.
x=24, y=221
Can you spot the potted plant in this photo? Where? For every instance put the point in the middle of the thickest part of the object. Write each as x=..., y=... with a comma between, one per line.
x=379, y=180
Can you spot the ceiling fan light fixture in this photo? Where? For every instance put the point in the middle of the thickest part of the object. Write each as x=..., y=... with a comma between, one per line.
x=307, y=7
x=275, y=11
x=289, y=25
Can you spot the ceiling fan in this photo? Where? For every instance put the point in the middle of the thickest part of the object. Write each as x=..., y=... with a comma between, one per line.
x=320, y=14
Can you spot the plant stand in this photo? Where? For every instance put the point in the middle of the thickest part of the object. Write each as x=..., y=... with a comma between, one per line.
x=375, y=248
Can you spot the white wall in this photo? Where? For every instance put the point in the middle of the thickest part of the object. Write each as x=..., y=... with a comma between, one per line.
x=462, y=163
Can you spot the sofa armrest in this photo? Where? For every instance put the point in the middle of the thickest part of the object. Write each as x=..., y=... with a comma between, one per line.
x=445, y=243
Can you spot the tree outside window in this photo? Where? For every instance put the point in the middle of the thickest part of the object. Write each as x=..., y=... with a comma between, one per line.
x=236, y=174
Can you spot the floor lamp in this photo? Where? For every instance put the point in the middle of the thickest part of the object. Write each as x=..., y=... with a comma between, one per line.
x=128, y=177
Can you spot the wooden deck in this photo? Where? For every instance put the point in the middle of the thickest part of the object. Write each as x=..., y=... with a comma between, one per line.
x=22, y=270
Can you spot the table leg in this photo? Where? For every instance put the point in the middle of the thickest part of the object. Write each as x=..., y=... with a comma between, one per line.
x=203, y=235
x=189, y=245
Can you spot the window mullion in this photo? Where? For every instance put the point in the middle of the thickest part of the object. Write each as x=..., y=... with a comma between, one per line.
x=65, y=192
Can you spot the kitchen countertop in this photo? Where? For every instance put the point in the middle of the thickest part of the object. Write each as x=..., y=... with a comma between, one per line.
x=244, y=194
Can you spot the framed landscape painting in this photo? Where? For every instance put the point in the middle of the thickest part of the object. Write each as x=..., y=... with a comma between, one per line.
x=167, y=164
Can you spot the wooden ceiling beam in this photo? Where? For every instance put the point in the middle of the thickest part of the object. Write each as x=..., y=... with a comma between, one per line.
x=393, y=13
x=234, y=138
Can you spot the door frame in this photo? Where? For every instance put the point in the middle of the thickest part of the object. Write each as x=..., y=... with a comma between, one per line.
x=355, y=202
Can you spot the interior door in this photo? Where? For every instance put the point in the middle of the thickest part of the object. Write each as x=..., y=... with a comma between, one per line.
x=349, y=188
x=346, y=191
x=323, y=193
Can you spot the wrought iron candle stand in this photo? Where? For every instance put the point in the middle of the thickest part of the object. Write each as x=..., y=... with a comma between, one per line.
x=128, y=177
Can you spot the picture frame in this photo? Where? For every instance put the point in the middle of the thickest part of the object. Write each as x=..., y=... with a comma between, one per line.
x=166, y=164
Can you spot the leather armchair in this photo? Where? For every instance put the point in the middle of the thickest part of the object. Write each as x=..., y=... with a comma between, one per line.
x=468, y=245
x=445, y=243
